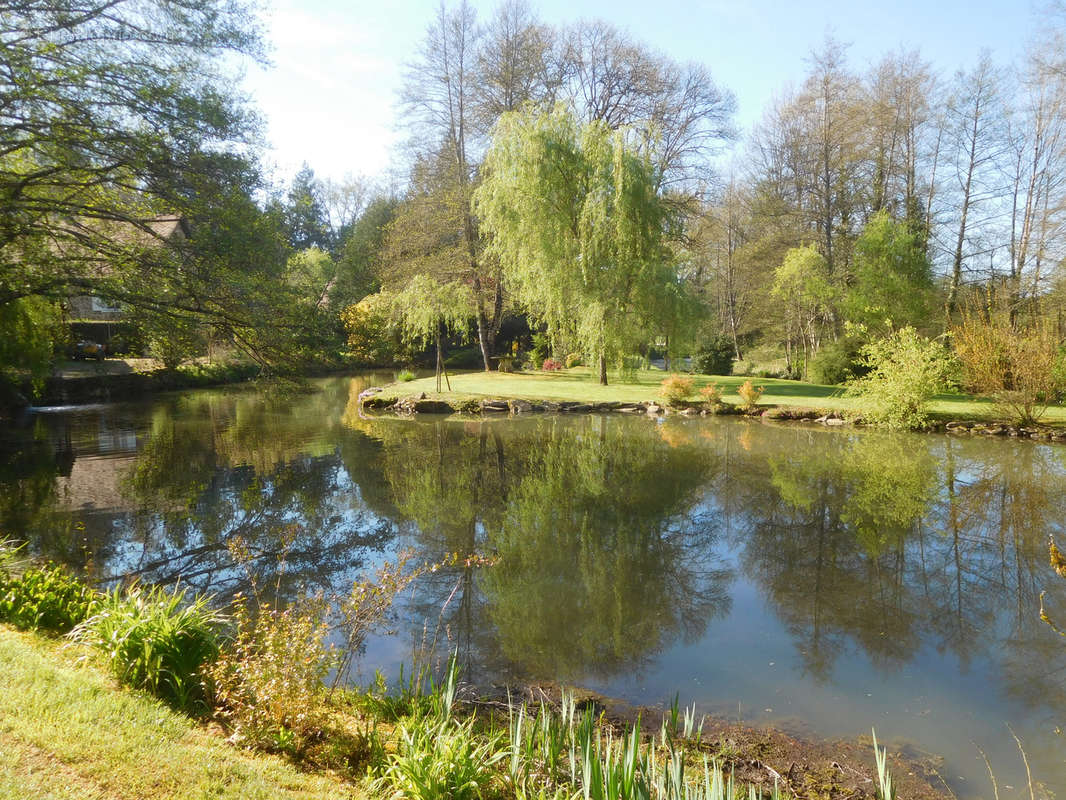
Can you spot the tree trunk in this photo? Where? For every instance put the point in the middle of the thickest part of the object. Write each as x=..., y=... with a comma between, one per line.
x=440, y=360
x=603, y=369
x=483, y=340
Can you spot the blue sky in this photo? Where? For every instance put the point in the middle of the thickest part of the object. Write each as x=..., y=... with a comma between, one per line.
x=329, y=98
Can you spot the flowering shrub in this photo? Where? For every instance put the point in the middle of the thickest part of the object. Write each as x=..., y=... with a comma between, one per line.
x=712, y=395
x=551, y=365
x=750, y=394
x=676, y=389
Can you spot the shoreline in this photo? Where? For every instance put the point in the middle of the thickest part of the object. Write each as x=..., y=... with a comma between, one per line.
x=381, y=399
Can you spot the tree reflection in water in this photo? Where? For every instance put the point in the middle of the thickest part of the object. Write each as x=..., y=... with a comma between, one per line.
x=619, y=538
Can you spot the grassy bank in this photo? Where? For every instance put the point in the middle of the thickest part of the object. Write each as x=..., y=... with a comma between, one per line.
x=67, y=731
x=580, y=384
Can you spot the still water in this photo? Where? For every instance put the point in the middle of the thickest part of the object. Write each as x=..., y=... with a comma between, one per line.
x=823, y=581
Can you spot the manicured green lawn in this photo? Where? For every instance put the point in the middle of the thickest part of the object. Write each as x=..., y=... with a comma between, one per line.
x=581, y=384
x=66, y=731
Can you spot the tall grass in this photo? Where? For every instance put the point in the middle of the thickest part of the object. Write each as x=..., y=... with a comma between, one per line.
x=556, y=753
x=156, y=640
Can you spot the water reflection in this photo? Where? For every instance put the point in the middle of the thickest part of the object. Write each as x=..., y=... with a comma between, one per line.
x=673, y=551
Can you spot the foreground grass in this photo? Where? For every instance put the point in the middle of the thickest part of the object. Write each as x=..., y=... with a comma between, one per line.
x=67, y=732
x=581, y=384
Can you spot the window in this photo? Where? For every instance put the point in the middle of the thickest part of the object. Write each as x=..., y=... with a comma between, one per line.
x=104, y=307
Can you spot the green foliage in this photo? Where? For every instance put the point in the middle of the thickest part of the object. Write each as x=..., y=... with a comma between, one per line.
x=304, y=211
x=173, y=339
x=885, y=790
x=100, y=98
x=438, y=758
x=312, y=274
x=44, y=599
x=360, y=257
x=405, y=376
x=30, y=328
x=837, y=362
x=156, y=640
x=716, y=356
x=574, y=360
x=906, y=372
x=370, y=339
x=578, y=225
x=892, y=276
x=424, y=306
x=541, y=349
x=676, y=389
x=802, y=284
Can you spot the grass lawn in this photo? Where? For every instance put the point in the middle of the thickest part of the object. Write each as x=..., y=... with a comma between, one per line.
x=66, y=731
x=581, y=384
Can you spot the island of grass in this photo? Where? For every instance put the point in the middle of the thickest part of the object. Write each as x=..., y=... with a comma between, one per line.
x=580, y=385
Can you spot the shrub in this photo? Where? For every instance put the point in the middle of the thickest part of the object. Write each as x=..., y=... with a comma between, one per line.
x=268, y=679
x=676, y=389
x=551, y=365
x=157, y=641
x=45, y=599
x=712, y=395
x=574, y=360
x=837, y=362
x=405, y=376
x=1016, y=367
x=370, y=337
x=541, y=349
x=716, y=357
x=906, y=371
x=749, y=394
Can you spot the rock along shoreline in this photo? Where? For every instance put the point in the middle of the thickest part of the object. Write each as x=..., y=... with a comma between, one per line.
x=372, y=399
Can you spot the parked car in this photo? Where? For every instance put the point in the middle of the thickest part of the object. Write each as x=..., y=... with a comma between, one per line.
x=86, y=349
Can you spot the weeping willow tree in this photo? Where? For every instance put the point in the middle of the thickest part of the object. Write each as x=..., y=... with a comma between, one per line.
x=577, y=222
x=425, y=309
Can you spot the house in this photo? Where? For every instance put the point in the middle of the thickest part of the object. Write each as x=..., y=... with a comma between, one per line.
x=163, y=229
x=104, y=321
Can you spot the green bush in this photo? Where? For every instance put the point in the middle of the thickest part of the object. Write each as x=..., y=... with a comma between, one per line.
x=838, y=362
x=716, y=357
x=156, y=640
x=906, y=371
x=541, y=349
x=45, y=599
x=405, y=376
x=574, y=360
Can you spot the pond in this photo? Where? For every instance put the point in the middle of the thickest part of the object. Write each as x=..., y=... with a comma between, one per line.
x=824, y=581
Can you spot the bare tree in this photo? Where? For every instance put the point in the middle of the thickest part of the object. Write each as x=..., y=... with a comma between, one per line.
x=608, y=76
x=974, y=121
x=439, y=99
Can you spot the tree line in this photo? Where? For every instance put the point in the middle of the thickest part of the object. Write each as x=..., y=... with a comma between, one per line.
x=570, y=191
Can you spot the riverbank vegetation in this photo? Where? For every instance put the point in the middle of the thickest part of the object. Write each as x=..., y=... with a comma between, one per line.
x=263, y=678
x=548, y=216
